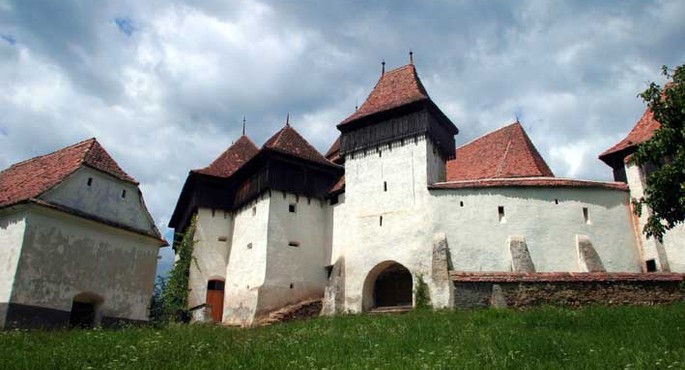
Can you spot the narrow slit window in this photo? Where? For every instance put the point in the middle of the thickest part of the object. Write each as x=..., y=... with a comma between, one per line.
x=123, y=194
x=385, y=186
x=586, y=215
x=292, y=208
x=213, y=212
x=380, y=221
x=294, y=244
x=500, y=210
x=222, y=239
x=461, y=203
x=556, y=201
x=254, y=211
x=90, y=181
x=292, y=285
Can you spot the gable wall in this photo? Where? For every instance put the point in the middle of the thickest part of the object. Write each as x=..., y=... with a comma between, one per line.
x=12, y=228
x=103, y=198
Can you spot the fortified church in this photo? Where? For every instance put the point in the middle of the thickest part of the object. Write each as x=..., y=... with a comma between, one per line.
x=393, y=204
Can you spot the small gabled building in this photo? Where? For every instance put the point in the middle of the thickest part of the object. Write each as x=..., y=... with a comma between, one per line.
x=666, y=255
x=78, y=245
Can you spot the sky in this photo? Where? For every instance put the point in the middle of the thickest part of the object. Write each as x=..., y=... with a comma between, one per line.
x=164, y=85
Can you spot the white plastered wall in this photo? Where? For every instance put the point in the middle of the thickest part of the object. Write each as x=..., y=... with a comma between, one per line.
x=12, y=227
x=246, y=266
x=64, y=255
x=213, y=235
x=104, y=197
x=405, y=235
x=295, y=273
x=549, y=218
x=669, y=255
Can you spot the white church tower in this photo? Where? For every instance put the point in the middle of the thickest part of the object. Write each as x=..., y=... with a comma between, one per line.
x=393, y=147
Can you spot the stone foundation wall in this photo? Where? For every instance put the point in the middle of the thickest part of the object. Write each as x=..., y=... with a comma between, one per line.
x=479, y=290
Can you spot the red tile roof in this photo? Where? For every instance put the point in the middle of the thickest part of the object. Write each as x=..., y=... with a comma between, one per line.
x=395, y=88
x=339, y=186
x=643, y=131
x=289, y=141
x=527, y=182
x=31, y=178
x=333, y=154
x=504, y=153
x=232, y=159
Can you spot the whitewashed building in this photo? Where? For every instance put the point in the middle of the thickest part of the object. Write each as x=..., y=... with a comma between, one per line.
x=394, y=204
x=77, y=245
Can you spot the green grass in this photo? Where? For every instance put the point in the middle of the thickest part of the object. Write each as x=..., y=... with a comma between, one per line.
x=545, y=338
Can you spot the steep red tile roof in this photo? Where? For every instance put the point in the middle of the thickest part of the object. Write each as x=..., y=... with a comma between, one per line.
x=504, y=153
x=333, y=154
x=394, y=89
x=339, y=186
x=232, y=159
x=31, y=178
x=643, y=131
x=289, y=141
x=549, y=182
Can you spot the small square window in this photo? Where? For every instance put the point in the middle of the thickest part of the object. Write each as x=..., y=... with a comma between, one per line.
x=292, y=207
x=249, y=245
x=651, y=265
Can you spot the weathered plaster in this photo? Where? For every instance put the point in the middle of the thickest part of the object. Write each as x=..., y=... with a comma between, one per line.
x=103, y=197
x=65, y=255
x=213, y=236
x=12, y=228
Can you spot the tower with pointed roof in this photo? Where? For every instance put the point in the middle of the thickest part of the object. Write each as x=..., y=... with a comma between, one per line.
x=78, y=245
x=261, y=225
x=668, y=254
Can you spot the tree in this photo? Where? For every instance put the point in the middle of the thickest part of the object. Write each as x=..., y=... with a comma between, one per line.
x=665, y=151
x=175, y=293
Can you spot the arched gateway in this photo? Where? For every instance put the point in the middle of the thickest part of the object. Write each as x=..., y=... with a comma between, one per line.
x=388, y=284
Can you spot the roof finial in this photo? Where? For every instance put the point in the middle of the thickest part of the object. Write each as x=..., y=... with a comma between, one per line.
x=383, y=67
x=243, y=125
x=287, y=119
x=411, y=57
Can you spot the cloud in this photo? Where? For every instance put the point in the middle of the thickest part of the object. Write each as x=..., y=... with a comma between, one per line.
x=164, y=85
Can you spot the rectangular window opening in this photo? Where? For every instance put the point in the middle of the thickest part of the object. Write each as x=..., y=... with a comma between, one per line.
x=294, y=244
x=461, y=203
x=651, y=265
x=222, y=238
x=500, y=210
x=292, y=208
x=556, y=201
x=123, y=194
x=90, y=181
x=213, y=212
x=380, y=221
x=385, y=186
x=586, y=216
x=254, y=211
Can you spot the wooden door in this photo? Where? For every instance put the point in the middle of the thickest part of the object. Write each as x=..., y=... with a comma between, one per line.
x=215, y=299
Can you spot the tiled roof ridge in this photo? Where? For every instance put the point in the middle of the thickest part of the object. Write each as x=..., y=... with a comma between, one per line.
x=241, y=150
x=390, y=92
x=105, y=163
x=298, y=145
x=503, y=161
x=540, y=162
x=82, y=142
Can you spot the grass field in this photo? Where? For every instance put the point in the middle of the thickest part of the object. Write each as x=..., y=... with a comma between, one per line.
x=545, y=338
